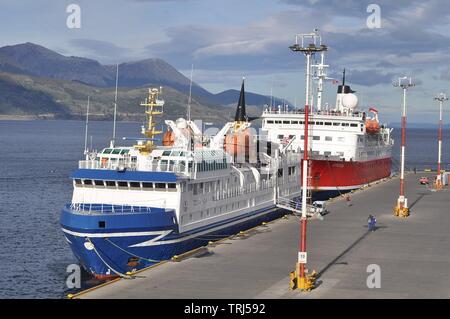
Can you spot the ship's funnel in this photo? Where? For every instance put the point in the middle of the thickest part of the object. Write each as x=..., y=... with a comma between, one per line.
x=241, y=116
x=344, y=89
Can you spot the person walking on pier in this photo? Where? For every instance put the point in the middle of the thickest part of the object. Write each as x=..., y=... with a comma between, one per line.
x=371, y=222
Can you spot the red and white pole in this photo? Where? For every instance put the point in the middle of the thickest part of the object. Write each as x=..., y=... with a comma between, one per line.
x=403, y=146
x=303, y=221
x=304, y=282
x=401, y=208
x=440, y=139
x=440, y=98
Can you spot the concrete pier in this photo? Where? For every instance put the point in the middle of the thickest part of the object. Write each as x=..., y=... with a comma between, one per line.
x=413, y=254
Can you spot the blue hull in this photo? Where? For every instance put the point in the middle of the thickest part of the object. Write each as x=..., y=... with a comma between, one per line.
x=133, y=241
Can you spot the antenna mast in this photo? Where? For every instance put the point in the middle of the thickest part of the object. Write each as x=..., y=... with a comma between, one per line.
x=321, y=76
x=153, y=106
x=115, y=107
x=86, y=150
x=190, y=96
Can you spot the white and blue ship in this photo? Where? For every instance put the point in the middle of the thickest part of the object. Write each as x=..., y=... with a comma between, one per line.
x=136, y=206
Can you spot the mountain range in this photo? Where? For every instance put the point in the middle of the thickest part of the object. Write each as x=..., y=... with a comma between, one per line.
x=37, y=81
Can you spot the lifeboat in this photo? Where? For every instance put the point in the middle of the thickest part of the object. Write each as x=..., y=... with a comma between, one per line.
x=237, y=143
x=372, y=126
x=168, y=138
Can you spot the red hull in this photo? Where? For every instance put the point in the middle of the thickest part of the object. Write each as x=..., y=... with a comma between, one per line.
x=336, y=175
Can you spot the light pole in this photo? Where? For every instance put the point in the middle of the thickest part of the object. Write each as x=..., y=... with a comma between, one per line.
x=299, y=279
x=401, y=209
x=441, y=97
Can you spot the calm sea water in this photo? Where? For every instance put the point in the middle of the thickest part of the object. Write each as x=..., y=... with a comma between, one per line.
x=36, y=159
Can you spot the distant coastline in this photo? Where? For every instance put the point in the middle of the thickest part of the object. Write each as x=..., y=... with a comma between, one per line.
x=4, y=117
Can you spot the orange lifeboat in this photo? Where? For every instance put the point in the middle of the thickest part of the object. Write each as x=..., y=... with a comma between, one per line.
x=237, y=143
x=168, y=138
x=372, y=126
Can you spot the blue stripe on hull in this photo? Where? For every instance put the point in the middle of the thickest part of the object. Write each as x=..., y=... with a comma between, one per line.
x=116, y=251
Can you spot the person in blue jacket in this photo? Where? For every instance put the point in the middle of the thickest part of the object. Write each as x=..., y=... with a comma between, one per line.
x=371, y=222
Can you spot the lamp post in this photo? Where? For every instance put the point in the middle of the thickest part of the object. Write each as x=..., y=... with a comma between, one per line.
x=314, y=45
x=401, y=209
x=441, y=97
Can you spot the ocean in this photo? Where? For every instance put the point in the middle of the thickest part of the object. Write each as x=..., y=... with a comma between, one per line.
x=36, y=160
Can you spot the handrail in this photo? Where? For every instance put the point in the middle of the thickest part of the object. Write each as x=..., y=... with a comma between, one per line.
x=107, y=208
x=301, y=111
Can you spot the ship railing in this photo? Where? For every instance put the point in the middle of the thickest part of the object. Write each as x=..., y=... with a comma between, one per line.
x=302, y=111
x=174, y=168
x=93, y=164
x=108, y=208
x=326, y=157
x=238, y=191
x=154, y=167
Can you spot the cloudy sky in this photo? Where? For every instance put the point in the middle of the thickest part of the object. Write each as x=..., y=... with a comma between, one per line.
x=228, y=39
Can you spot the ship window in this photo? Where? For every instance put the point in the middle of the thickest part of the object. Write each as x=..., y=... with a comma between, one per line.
x=294, y=122
x=312, y=123
x=111, y=183
x=125, y=152
x=160, y=185
x=134, y=159
x=98, y=183
x=328, y=138
x=122, y=184
x=336, y=123
x=101, y=224
x=280, y=137
x=328, y=123
x=286, y=122
x=270, y=122
x=87, y=182
x=135, y=184
x=319, y=123
x=171, y=185
x=107, y=151
x=316, y=138
x=147, y=185
x=116, y=151
x=327, y=153
x=78, y=181
x=353, y=125
x=166, y=153
x=341, y=139
x=302, y=137
x=345, y=124
x=277, y=122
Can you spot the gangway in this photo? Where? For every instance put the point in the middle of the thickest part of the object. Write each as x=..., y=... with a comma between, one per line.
x=295, y=206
